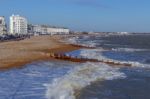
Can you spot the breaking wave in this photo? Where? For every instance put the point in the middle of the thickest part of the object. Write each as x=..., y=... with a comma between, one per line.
x=79, y=77
x=129, y=49
x=75, y=40
x=97, y=54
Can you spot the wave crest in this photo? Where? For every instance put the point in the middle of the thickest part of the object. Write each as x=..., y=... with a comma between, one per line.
x=79, y=77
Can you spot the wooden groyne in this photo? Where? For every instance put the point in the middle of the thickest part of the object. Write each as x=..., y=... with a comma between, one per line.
x=83, y=59
x=83, y=46
x=89, y=47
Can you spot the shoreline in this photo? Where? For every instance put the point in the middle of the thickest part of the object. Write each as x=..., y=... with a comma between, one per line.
x=16, y=54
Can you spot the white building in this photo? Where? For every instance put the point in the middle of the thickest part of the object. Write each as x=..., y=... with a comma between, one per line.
x=60, y=31
x=18, y=25
x=44, y=29
x=3, y=29
x=40, y=29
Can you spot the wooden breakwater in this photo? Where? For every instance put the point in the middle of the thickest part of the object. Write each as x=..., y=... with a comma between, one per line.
x=83, y=46
x=88, y=47
x=83, y=59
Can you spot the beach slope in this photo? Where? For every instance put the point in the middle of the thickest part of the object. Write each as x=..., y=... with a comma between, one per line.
x=18, y=53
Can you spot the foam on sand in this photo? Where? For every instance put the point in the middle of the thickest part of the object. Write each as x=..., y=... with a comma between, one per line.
x=79, y=77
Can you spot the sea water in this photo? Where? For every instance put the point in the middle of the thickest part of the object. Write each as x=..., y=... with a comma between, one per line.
x=68, y=80
x=134, y=49
x=30, y=82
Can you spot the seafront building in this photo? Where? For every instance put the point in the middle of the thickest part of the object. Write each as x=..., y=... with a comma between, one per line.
x=3, y=29
x=45, y=29
x=18, y=24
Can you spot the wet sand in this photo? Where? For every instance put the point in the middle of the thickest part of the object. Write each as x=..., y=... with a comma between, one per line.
x=18, y=53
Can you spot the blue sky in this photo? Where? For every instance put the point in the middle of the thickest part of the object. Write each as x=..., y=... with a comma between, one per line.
x=83, y=15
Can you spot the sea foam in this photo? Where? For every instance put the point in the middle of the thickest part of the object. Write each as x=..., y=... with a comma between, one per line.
x=79, y=77
x=129, y=49
x=97, y=54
